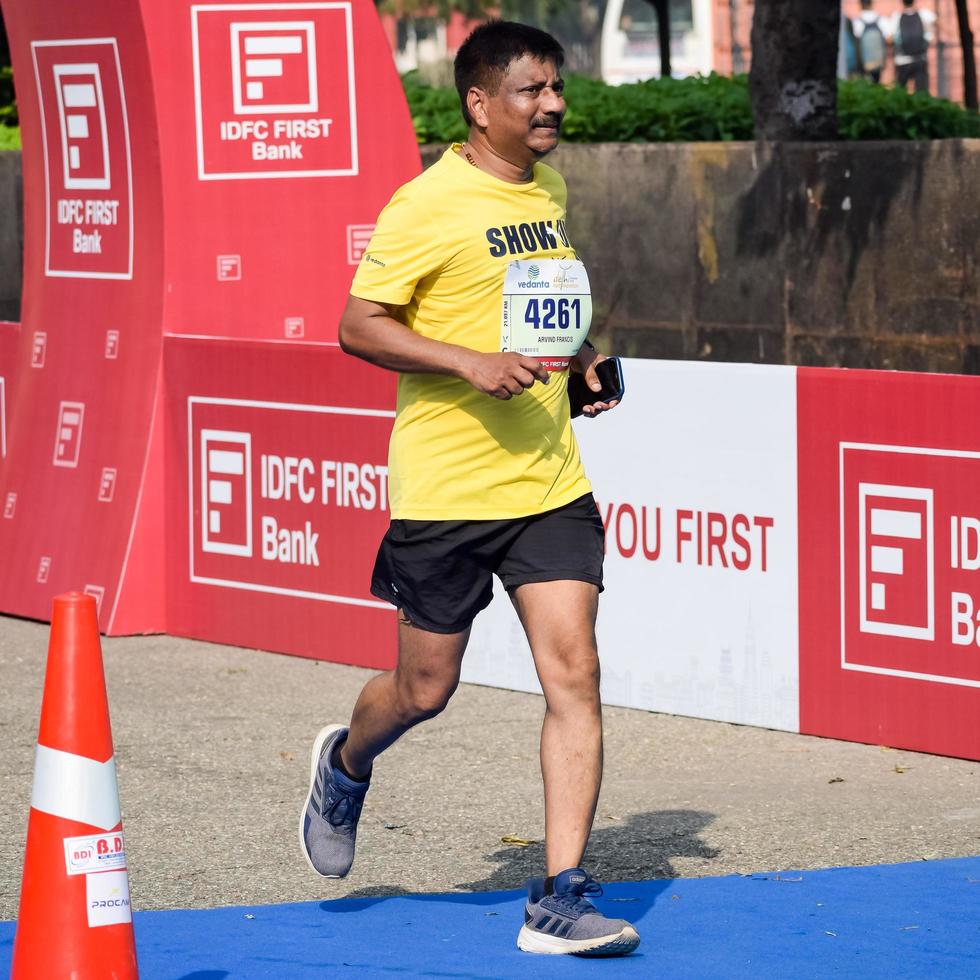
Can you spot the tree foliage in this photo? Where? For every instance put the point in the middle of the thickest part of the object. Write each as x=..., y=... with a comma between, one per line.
x=8, y=105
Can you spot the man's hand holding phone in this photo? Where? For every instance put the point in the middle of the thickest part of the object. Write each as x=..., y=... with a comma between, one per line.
x=598, y=384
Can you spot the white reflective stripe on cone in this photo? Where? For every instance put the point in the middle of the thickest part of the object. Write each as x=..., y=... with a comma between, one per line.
x=76, y=788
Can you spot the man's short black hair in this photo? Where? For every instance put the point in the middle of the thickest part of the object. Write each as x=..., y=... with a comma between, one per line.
x=487, y=53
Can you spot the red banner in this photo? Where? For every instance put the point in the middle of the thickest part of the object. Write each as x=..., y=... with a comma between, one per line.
x=285, y=131
x=278, y=498
x=192, y=168
x=889, y=557
x=87, y=361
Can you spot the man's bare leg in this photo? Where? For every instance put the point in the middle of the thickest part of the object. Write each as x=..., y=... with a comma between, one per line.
x=559, y=619
x=391, y=703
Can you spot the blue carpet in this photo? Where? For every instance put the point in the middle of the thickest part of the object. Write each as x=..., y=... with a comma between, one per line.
x=889, y=921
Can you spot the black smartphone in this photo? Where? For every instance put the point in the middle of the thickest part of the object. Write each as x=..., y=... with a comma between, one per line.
x=610, y=373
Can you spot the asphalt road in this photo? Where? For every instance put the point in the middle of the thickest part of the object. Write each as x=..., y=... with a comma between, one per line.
x=212, y=748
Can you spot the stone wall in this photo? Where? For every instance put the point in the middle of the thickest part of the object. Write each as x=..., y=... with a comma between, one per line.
x=844, y=254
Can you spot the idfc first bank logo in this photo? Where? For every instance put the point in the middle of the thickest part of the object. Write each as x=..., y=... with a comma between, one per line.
x=274, y=90
x=287, y=499
x=87, y=162
x=910, y=562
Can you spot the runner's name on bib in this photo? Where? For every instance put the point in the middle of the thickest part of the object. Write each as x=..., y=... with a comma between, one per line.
x=547, y=310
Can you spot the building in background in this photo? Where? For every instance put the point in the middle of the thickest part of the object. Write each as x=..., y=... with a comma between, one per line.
x=421, y=39
x=732, y=49
x=418, y=40
x=945, y=54
x=618, y=40
x=631, y=40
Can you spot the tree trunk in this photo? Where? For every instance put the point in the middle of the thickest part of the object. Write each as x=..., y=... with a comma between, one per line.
x=969, y=59
x=793, y=79
x=662, y=8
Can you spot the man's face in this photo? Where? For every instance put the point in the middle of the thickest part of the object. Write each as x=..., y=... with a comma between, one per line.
x=527, y=110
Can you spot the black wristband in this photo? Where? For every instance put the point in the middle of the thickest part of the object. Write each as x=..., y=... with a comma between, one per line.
x=589, y=344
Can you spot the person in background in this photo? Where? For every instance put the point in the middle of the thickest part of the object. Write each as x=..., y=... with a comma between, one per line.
x=848, y=60
x=911, y=33
x=869, y=33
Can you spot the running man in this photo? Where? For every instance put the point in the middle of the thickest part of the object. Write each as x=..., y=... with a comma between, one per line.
x=471, y=290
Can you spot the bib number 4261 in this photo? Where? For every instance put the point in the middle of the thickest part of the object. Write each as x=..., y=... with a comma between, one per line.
x=554, y=313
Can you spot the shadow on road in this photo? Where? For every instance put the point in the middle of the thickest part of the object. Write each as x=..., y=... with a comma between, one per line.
x=637, y=849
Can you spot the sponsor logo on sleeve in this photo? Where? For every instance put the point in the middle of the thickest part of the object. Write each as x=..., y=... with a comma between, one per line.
x=358, y=239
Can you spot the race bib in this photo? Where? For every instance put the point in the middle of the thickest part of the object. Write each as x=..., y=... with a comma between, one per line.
x=547, y=310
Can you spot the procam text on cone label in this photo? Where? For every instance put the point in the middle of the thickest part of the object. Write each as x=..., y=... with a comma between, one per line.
x=107, y=896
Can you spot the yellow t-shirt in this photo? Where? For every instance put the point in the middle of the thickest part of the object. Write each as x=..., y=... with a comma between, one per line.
x=440, y=252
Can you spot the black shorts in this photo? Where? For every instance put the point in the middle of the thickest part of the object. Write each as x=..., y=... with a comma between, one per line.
x=440, y=573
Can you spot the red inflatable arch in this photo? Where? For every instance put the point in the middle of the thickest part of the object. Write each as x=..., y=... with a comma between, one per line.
x=181, y=435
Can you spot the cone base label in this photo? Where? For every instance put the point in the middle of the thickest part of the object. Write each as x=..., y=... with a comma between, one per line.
x=107, y=898
x=93, y=853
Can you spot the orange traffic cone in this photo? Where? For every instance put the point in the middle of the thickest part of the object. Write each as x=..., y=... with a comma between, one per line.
x=75, y=918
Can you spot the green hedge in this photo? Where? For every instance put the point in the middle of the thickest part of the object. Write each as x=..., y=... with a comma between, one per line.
x=700, y=108
x=9, y=130
x=672, y=110
x=883, y=112
x=435, y=111
x=8, y=105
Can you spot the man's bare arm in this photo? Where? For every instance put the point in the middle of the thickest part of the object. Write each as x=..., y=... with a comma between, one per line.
x=368, y=330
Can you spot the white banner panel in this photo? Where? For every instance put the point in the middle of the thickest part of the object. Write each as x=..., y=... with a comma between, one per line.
x=695, y=477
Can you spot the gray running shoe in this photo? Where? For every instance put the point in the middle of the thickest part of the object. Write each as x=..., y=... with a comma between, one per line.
x=328, y=822
x=567, y=922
